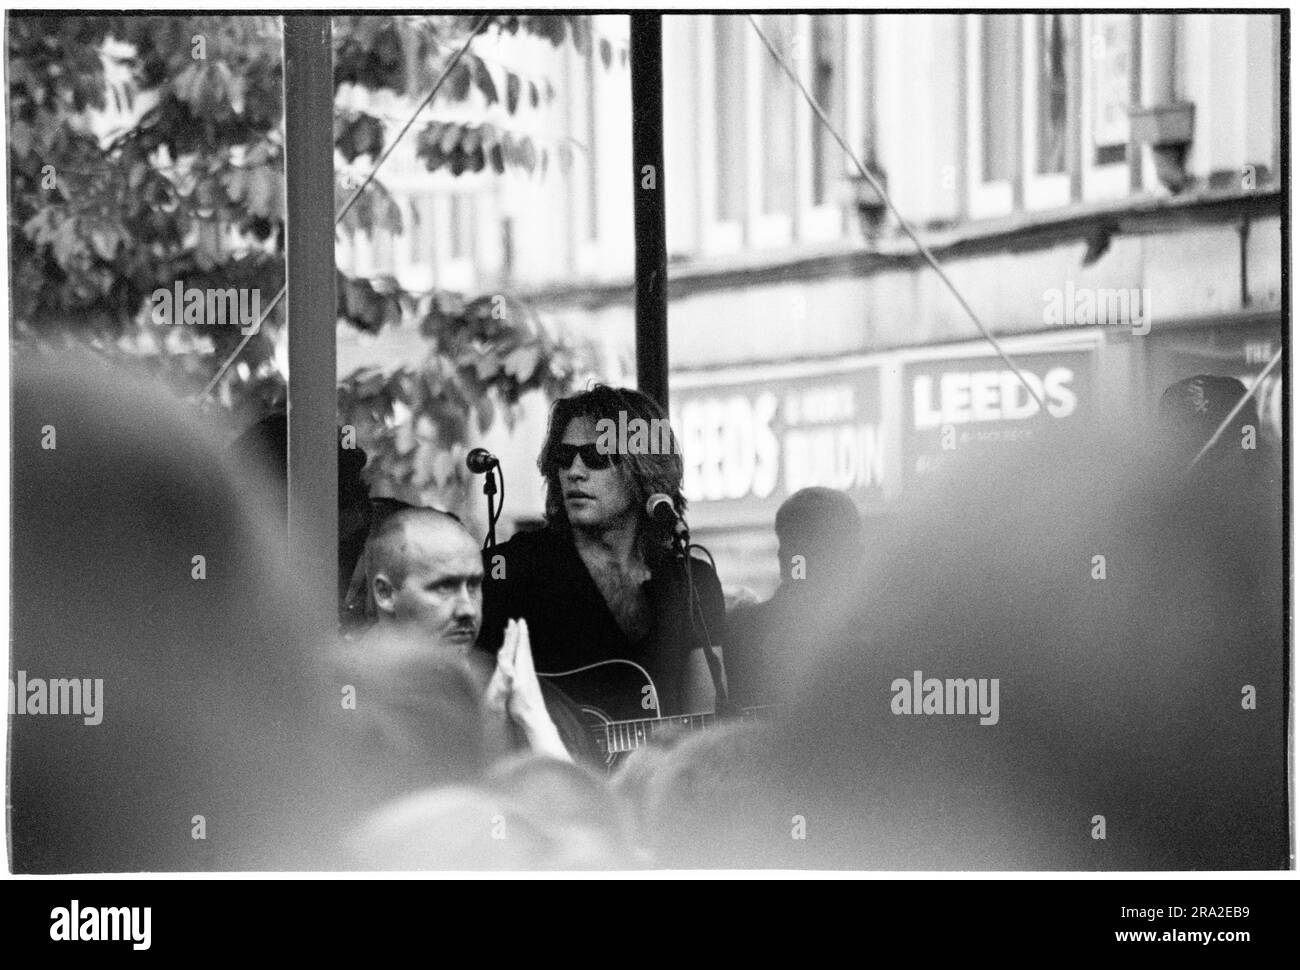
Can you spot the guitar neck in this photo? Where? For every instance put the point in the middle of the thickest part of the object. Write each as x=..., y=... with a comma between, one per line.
x=623, y=736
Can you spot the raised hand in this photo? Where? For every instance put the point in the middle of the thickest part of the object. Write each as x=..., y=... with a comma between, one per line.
x=524, y=701
x=500, y=687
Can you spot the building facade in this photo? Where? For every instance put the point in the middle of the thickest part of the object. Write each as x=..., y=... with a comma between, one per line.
x=1103, y=189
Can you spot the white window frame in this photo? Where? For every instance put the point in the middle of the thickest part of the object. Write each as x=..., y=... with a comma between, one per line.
x=681, y=144
x=855, y=84
x=717, y=236
x=766, y=230
x=825, y=222
x=1040, y=191
x=984, y=199
x=1098, y=181
x=454, y=273
x=419, y=271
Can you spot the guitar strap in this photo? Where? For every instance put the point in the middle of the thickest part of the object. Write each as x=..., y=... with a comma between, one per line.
x=721, y=703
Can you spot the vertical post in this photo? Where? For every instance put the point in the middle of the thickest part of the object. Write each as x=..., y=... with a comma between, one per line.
x=313, y=401
x=647, y=62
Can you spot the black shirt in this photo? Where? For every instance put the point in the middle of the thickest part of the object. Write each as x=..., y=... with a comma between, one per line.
x=767, y=644
x=541, y=578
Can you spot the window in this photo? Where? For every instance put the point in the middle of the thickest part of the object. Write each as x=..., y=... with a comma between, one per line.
x=1051, y=57
x=1110, y=55
x=993, y=111
x=455, y=231
x=760, y=188
x=1108, y=88
x=778, y=111
x=827, y=89
x=1047, y=105
x=1051, y=89
x=415, y=230
x=456, y=267
x=460, y=227
x=999, y=54
x=418, y=270
x=729, y=117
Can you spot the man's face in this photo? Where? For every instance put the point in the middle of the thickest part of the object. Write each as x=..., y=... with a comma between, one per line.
x=441, y=597
x=594, y=498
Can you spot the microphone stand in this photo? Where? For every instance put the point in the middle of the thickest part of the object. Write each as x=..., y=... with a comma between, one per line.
x=490, y=490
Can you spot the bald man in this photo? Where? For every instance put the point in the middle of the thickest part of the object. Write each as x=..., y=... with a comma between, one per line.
x=424, y=584
x=424, y=576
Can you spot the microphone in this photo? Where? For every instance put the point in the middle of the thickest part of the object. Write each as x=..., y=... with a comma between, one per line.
x=661, y=510
x=481, y=461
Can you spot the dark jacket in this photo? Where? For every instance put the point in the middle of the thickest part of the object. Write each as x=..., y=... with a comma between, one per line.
x=546, y=583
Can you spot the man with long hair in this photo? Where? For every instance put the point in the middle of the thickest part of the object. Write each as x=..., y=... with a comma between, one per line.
x=603, y=581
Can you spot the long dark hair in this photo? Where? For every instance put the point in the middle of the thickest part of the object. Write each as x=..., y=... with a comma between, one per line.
x=660, y=470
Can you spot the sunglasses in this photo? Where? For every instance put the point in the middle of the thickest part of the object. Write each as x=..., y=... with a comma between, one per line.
x=562, y=456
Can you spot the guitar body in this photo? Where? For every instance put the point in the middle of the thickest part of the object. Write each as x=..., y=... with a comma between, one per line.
x=588, y=699
x=607, y=709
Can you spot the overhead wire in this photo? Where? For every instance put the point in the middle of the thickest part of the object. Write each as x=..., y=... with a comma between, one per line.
x=1223, y=426
x=479, y=27
x=921, y=247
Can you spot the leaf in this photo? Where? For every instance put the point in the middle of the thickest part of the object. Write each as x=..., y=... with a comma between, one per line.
x=104, y=240
x=235, y=181
x=68, y=243
x=40, y=227
x=512, y=92
x=261, y=190
x=458, y=83
x=534, y=96
x=457, y=161
x=581, y=28
x=450, y=138
x=606, y=52
x=486, y=414
x=444, y=467
x=189, y=82
x=428, y=146
x=522, y=362
x=367, y=137
x=20, y=138
x=392, y=215
x=483, y=79
x=404, y=439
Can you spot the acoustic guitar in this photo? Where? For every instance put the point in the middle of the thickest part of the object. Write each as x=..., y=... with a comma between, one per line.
x=607, y=709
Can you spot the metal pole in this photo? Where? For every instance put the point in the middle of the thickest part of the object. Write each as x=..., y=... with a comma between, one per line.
x=647, y=63
x=313, y=397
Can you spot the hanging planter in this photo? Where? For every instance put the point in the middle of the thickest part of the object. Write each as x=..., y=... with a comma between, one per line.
x=1167, y=128
x=1163, y=125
